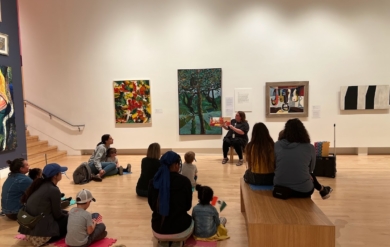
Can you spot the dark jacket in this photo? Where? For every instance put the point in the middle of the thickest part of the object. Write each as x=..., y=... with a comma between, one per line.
x=149, y=167
x=13, y=188
x=242, y=139
x=180, y=202
x=46, y=199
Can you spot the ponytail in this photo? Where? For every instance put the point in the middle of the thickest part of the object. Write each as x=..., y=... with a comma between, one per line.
x=103, y=140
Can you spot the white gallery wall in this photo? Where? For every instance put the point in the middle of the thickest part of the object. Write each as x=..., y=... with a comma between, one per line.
x=73, y=50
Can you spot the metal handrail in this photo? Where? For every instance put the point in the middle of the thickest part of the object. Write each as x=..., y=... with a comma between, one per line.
x=52, y=115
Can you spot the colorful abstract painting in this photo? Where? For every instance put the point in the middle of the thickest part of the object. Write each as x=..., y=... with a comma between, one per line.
x=287, y=99
x=132, y=101
x=199, y=100
x=7, y=113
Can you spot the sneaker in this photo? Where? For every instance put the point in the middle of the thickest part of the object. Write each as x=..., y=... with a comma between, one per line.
x=325, y=192
x=96, y=178
x=120, y=170
x=128, y=168
x=225, y=160
x=223, y=221
x=240, y=162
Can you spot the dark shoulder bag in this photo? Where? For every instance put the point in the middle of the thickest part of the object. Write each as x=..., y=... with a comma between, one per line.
x=281, y=192
x=26, y=220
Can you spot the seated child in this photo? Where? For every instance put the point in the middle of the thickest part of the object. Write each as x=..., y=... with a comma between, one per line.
x=36, y=173
x=207, y=223
x=83, y=230
x=111, y=157
x=188, y=169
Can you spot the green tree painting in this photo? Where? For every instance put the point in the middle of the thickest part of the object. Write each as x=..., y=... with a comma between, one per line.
x=199, y=99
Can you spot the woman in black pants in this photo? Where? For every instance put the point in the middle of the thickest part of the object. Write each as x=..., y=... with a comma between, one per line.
x=295, y=161
x=237, y=137
x=43, y=196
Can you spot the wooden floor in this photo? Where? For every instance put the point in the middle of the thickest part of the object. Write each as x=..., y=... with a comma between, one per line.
x=359, y=205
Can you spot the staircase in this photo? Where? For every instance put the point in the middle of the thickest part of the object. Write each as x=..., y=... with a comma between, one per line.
x=37, y=149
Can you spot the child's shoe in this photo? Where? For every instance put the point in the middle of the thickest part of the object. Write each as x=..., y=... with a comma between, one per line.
x=120, y=170
x=128, y=168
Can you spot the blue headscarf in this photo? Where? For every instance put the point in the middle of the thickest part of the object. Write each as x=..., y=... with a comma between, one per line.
x=161, y=180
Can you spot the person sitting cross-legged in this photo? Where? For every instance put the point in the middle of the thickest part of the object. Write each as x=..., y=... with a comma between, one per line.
x=83, y=229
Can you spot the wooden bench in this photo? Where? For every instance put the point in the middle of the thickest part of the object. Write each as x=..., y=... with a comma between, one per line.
x=273, y=222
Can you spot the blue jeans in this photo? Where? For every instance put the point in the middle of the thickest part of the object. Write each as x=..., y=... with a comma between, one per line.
x=108, y=167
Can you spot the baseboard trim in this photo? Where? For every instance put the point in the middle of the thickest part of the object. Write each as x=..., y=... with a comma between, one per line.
x=218, y=151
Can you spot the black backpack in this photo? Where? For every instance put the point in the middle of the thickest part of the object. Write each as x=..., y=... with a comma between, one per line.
x=82, y=174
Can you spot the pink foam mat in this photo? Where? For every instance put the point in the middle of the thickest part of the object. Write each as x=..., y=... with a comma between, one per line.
x=101, y=243
x=61, y=243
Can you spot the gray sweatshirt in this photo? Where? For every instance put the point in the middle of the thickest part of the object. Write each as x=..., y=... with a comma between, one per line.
x=294, y=163
x=98, y=156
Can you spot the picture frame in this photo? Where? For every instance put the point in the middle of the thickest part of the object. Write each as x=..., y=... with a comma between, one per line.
x=4, y=44
x=132, y=101
x=287, y=99
x=199, y=98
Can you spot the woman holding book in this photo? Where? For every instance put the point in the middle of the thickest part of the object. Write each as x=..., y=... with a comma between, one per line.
x=237, y=137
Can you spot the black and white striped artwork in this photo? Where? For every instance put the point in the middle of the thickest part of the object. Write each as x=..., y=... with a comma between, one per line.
x=368, y=97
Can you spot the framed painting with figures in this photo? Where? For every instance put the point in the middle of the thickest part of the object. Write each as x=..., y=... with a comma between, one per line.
x=287, y=99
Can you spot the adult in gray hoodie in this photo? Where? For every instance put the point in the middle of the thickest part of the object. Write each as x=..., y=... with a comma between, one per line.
x=97, y=161
x=295, y=161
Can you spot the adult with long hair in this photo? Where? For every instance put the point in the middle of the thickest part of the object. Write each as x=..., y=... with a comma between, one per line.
x=149, y=168
x=97, y=162
x=295, y=161
x=260, y=157
x=237, y=136
x=44, y=197
x=14, y=187
x=170, y=197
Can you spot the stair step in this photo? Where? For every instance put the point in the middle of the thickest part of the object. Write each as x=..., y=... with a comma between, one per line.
x=51, y=157
x=37, y=151
x=32, y=138
x=37, y=144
